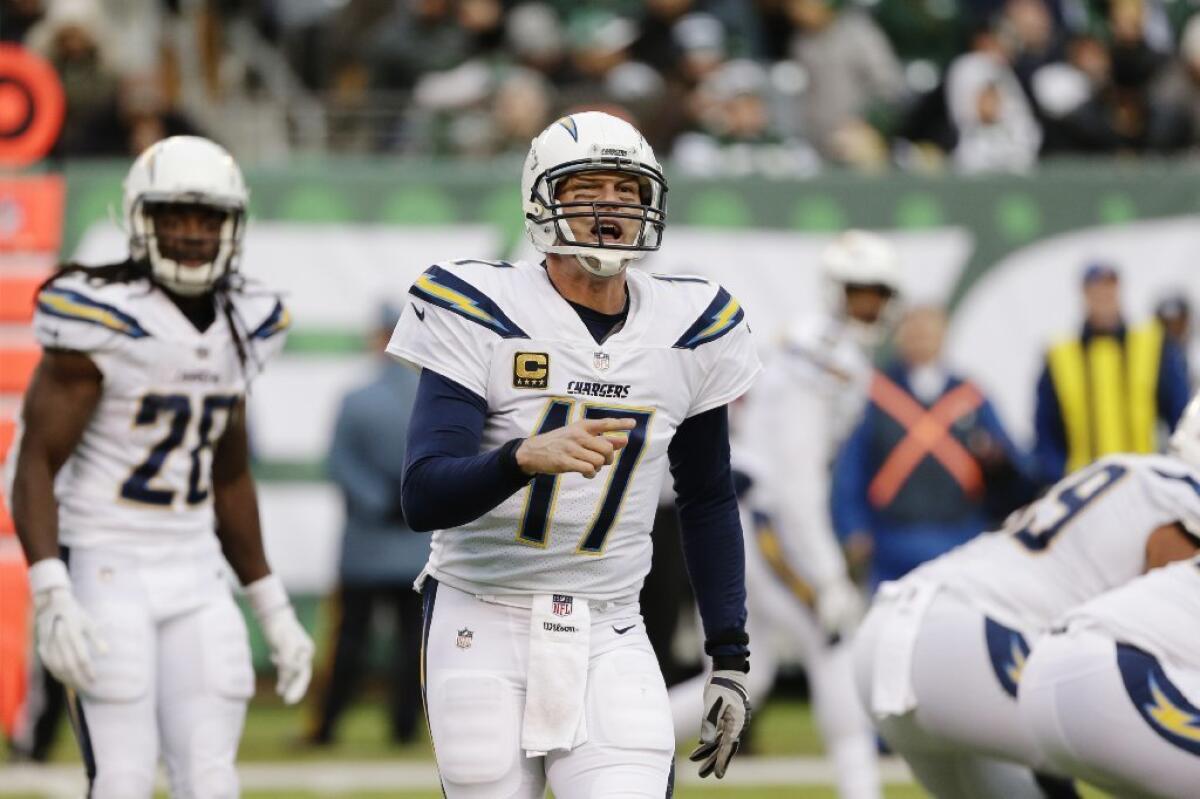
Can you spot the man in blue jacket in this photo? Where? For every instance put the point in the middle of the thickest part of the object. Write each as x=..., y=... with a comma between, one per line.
x=928, y=467
x=380, y=556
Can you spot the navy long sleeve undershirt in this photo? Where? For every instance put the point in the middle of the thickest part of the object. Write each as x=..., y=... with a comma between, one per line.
x=448, y=482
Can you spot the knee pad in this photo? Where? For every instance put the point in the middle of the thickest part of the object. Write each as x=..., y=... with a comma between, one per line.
x=123, y=782
x=475, y=720
x=628, y=706
x=225, y=646
x=123, y=670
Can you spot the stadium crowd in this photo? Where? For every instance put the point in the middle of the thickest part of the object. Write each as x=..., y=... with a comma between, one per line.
x=724, y=87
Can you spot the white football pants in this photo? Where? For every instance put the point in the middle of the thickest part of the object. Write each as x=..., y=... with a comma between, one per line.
x=963, y=726
x=1079, y=703
x=781, y=623
x=474, y=667
x=175, y=678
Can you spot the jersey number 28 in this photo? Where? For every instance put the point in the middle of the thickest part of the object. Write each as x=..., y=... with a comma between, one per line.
x=539, y=505
x=179, y=408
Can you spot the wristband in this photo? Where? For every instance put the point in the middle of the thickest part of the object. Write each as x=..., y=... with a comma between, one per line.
x=266, y=595
x=47, y=574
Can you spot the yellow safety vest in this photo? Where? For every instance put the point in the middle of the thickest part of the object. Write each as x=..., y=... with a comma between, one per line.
x=1108, y=396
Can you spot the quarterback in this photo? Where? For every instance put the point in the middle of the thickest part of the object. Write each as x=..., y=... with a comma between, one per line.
x=133, y=479
x=941, y=657
x=553, y=399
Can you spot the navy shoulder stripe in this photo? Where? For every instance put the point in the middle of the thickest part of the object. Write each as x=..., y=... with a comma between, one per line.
x=1186, y=479
x=721, y=316
x=678, y=278
x=67, y=304
x=456, y=295
x=279, y=320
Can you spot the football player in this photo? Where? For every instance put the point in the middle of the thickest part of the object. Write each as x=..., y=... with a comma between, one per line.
x=801, y=600
x=553, y=399
x=1112, y=695
x=133, y=478
x=941, y=654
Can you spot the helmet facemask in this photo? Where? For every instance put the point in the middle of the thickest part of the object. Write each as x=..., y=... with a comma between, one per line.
x=604, y=255
x=191, y=257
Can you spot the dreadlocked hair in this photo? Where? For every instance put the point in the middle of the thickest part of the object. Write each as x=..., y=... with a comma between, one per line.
x=229, y=284
x=127, y=271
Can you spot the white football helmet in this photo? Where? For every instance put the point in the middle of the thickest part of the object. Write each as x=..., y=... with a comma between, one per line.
x=185, y=170
x=591, y=141
x=1185, y=441
x=859, y=258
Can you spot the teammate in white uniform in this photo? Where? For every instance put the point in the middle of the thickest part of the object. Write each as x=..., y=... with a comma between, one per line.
x=940, y=655
x=811, y=394
x=1112, y=695
x=138, y=408
x=537, y=378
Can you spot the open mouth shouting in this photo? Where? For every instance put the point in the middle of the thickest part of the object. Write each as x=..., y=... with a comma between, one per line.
x=608, y=230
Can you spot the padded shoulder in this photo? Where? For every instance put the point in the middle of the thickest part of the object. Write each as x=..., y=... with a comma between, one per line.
x=698, y=310
x=474, y=290
x=75, y=313
x=262, y=311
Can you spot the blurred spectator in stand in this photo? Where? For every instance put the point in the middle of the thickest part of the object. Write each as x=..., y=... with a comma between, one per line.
x=1174, y=313
x=419, y=36
x=1032, y=37
x=1107, y=388
x=656, y=43
x=929, y=466
x=1179, y=84
x=74, y=37
x=599, y=42
x=483, y=20
x=995, y=126
x=855, y=82
x=147, y=116
x=17, y=17
x=536, y=39
x=738, y=137
x=380, y=557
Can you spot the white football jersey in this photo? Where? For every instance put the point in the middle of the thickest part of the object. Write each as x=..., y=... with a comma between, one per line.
x=1158, y=612
x=1086, y=536
x=813, y=391
x=140, y=475
x=503, y=331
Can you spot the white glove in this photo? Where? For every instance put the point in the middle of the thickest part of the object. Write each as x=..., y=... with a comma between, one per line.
x=726, y=711
x=66, y=635
x=840, y=607
x=291, y=648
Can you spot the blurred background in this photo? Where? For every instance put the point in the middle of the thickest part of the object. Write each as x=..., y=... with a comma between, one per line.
x=1004, y=146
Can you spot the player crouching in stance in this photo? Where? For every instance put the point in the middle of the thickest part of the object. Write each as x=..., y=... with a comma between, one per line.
x=1112, y=695
x=535, y=380
x=941, y=654
x=140, y=395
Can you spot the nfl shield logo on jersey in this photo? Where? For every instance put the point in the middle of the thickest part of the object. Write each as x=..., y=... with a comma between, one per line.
x=561, y=605
x=465, y=638
x=601, y=361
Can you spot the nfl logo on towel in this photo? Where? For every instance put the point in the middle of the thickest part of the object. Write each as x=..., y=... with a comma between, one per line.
x=562, y=605
x=465, y=638
x=601, y=361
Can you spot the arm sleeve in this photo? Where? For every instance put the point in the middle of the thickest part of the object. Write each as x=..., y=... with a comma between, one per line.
x=849, y=508
x=369, y=491
x=711, y=530
x=1172, y=383
x=1050, y=446
x=448, y=482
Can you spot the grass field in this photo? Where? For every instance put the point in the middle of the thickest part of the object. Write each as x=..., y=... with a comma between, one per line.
x=273, y=736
